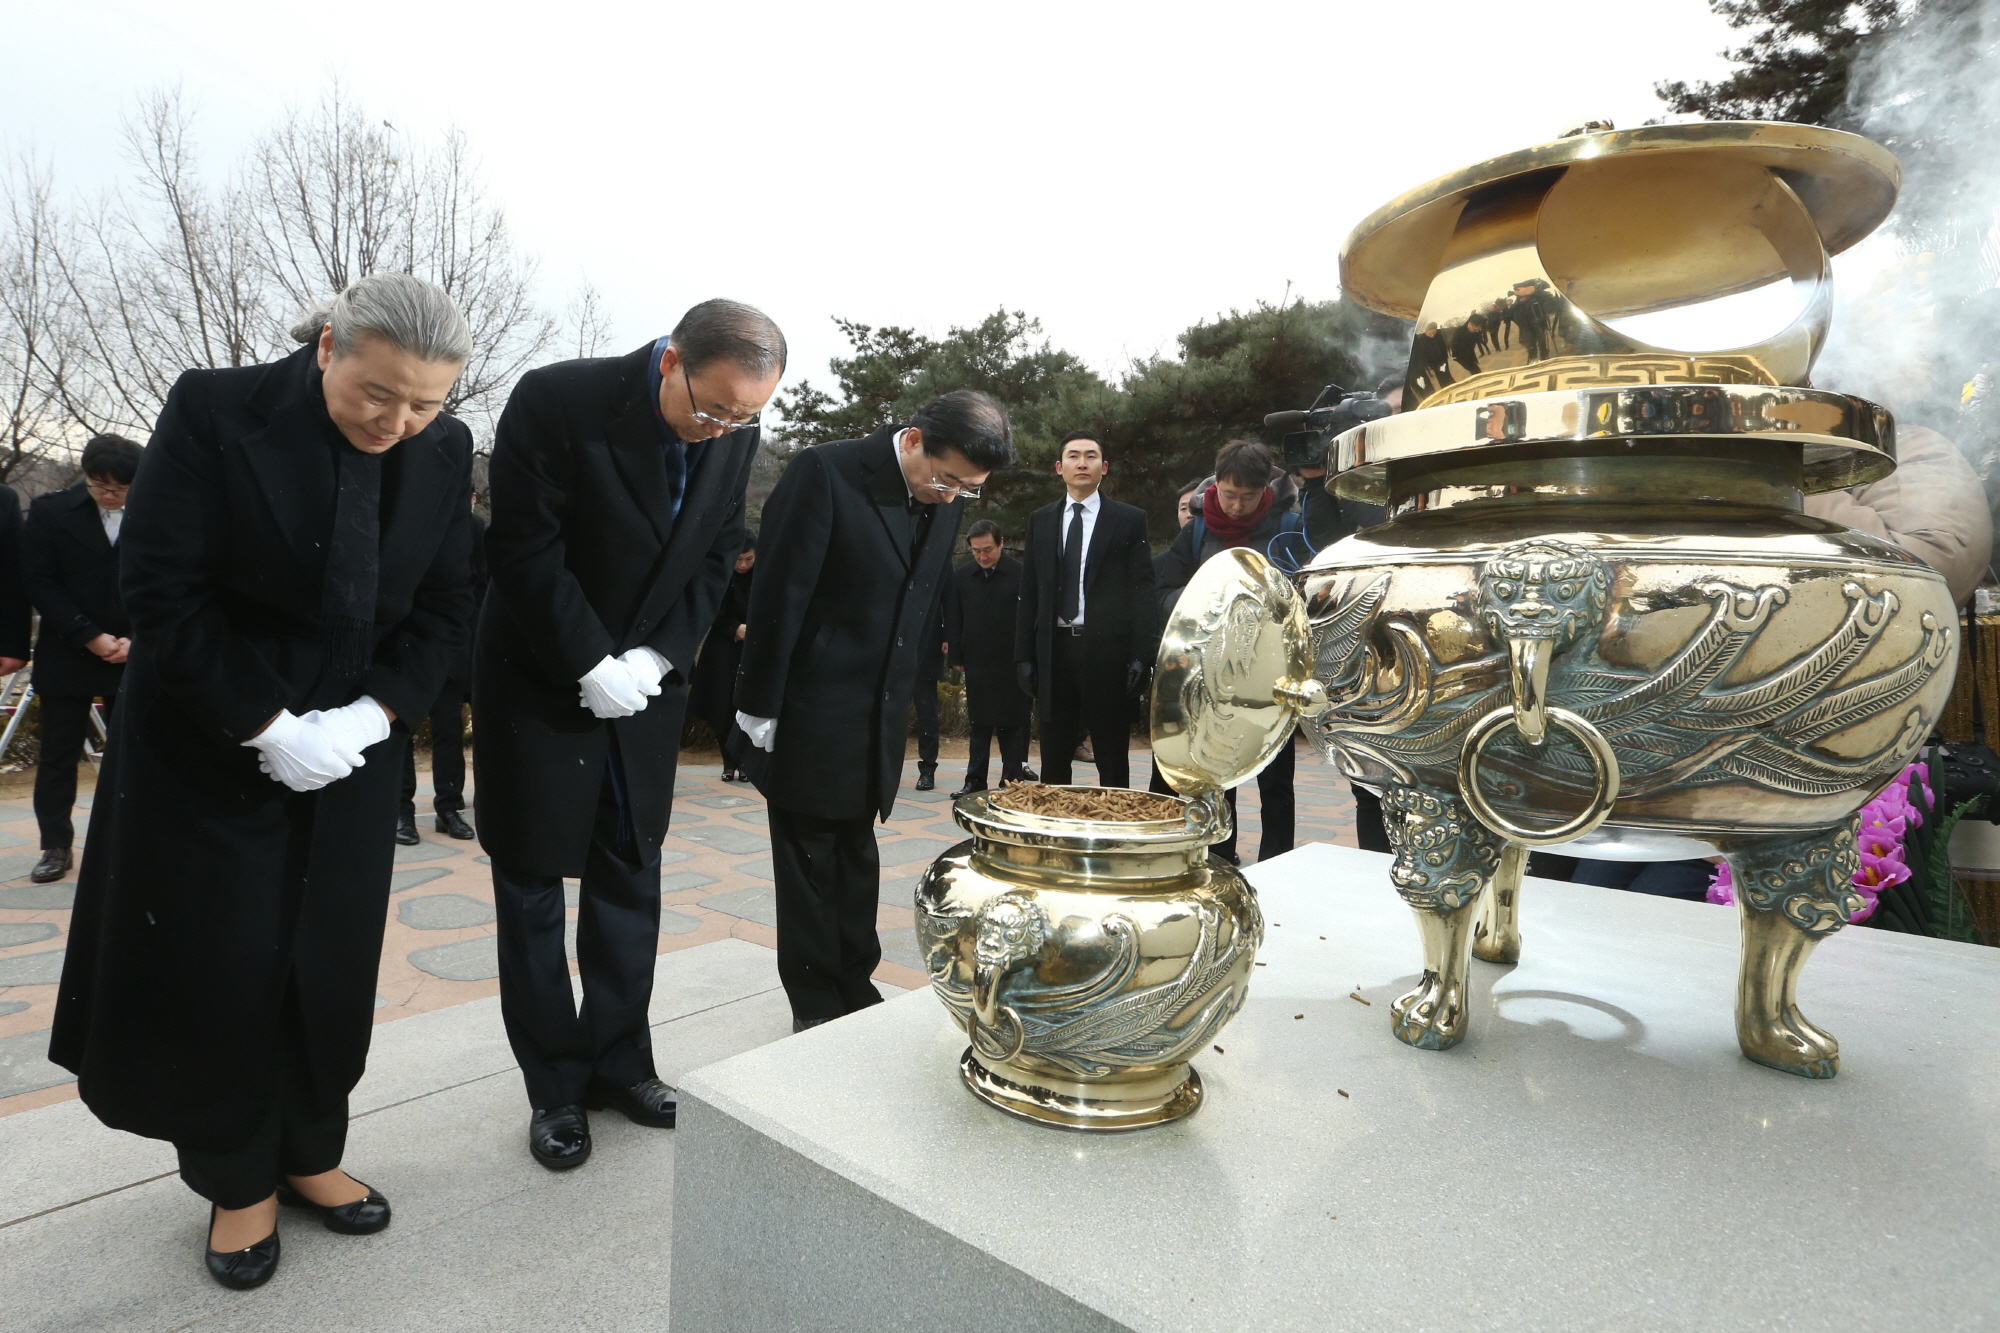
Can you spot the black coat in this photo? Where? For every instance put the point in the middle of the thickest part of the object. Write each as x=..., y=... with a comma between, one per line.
x=712, y=688
x=1178, y=562
x=17, y=615
x=1120, y=621
x=461, y=670
x=195, y=907
x=589, y=560
x=979, y=626
x=72, y=573
x=838, y=617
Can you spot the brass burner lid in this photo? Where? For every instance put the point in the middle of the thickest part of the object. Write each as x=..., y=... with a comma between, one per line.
x=1234, y=674
x=1847, y=184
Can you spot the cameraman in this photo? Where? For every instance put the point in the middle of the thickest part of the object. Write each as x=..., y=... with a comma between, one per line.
x=1329, y=517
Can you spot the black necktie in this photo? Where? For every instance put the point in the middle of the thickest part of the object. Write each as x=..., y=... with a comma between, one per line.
x=1072, y=566
x=919, y=524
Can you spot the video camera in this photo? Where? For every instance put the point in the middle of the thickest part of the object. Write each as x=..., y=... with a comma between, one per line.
x=1308, y=433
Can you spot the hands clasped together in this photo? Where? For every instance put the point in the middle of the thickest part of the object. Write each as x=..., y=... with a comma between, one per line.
x=620, y=686
x=306, y=753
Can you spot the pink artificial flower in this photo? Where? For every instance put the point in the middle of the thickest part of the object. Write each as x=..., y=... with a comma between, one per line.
x=1880, y=872
x=1882, y=839
x=1868, y=904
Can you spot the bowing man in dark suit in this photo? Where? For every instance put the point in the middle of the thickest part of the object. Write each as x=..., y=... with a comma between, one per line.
x=857, y=540
x=1084, y=633
x=70, y=556
x=293, y=561
x=979, y=628
x=447, y=727
x=617, y=499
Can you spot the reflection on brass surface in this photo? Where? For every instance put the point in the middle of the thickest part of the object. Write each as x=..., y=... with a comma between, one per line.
x=1833, y=440
x=1596, y=613
x=1087, y=960
x=1496, y=935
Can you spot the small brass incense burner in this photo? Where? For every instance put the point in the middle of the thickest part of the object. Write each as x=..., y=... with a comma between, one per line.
x=1596, y=615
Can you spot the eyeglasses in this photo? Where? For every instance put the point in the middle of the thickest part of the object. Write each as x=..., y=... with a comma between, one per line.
x=704, y=418
x=951, y=485
x=110, y=490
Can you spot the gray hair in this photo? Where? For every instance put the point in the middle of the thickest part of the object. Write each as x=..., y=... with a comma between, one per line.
x=409, y=313
x=722, y=330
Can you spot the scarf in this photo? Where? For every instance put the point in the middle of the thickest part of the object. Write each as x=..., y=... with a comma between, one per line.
x=1232, y=531
x=353, y=563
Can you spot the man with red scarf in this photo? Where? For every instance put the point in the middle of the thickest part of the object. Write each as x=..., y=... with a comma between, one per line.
x=1239, y=510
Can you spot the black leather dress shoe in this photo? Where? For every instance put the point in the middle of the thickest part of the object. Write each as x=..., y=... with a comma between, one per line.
x=801, y=1024
x=452, y=824
x=560, y=1138
x=926, y=779
x=363, y=1217
x=55, y=863
x=1030, y=775
x=968, y=789
x=406, y=831
x=651, y=1103
x=242, y=1269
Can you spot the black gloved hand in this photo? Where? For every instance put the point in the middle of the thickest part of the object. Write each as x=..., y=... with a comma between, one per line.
x=1024, y=673
x=1135, y=679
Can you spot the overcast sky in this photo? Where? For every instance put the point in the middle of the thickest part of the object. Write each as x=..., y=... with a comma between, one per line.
x=1120, y=170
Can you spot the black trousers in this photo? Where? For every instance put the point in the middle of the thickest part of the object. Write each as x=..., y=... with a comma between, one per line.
x=829, y=875
x=1277, y=808
x=64, y=726
x=304, y=1134
x=1071, y=717
x=617, y=940
x=1013, y=753
x=927, y=723
x=447, y=754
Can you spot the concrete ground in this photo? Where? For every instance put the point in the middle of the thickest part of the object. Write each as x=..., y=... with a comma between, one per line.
x=97, y=1232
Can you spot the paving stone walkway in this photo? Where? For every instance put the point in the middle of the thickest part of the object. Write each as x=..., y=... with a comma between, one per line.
x=439, y=947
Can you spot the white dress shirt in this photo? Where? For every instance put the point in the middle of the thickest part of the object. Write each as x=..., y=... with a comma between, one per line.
x=1090, y=507
x=112, y=518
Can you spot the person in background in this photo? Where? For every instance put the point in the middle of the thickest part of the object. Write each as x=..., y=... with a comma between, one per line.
x=617, y=490
x=1240, y=510
x=294, y=560
x=858, y=536
x=448, y=726
x=979, y=627
x=712, y=686
x=17, y=613
x=69, y=555
x=930, y=670
x=1086, y=628
x=1190, y=496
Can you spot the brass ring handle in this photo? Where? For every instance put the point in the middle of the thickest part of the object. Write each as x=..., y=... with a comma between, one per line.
x=1603, y=761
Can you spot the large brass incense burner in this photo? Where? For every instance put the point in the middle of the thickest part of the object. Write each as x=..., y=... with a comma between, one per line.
x=1596, y=614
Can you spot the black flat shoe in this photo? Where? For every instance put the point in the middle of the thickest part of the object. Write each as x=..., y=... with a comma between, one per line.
x=55, y=863
x=651, y=1103
x=968, y=789
x=242, y=1269
x=452, y=824
x=560, y=1139
x=406, y=831
x=363, y=1217
x=801, y=1024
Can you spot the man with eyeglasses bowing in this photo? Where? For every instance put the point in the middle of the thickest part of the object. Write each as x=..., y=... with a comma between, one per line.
x=856, y=541
x=617, y=495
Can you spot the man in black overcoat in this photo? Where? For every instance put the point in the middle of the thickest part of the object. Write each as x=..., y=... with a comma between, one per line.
x=447, y=717
x=617, y=498
x=857, y=538
x=1085, y=630
x=979, y=627
x=69, y=548
x=17, y=614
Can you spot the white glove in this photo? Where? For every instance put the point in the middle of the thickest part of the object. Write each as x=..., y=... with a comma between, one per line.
x=354, y=728
x=648, y=668
x=300, y=753
x=611, y=690
x=762, y=731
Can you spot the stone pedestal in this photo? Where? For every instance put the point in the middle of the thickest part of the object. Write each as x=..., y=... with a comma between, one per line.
x=1597, y=1154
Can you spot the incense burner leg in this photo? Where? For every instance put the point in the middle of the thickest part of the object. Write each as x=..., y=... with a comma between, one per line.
x=1444, y=860
x=1792, y=892
x=1496, y=936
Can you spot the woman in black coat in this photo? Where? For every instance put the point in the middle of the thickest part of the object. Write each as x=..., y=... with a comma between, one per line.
x=294, y=563
x=712, y=688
